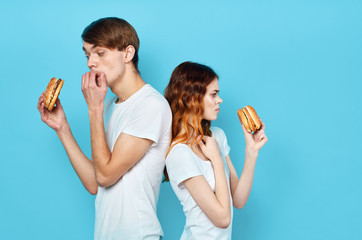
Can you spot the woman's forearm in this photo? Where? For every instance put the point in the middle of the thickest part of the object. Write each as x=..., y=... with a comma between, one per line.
x=222, y=190
x=243, y=187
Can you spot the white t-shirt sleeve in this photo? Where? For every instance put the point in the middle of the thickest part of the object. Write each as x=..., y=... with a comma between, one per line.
x=182, y=164
x=150, y=119
x=220, y=137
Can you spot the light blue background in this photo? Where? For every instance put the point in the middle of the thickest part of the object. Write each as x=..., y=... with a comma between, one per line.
x=297, y=62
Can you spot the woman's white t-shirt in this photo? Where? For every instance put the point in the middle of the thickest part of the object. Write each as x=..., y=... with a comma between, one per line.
x=182, y=163
x=127, y=210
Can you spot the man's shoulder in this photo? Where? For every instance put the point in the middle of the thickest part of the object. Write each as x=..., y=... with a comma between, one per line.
x=152, y=99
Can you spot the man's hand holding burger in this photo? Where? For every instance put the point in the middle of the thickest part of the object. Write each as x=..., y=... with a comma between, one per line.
x=56, y=118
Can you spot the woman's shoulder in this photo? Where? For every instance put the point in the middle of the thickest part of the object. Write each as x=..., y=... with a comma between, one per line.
x=179, y=148
x=218, y=133
x=180, y=154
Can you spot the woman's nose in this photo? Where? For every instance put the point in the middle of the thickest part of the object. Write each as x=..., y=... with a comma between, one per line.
x=219, y=100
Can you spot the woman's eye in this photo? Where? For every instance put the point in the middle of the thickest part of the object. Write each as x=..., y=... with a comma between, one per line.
x=87, y=57
x=100, y=54
x=214, y=94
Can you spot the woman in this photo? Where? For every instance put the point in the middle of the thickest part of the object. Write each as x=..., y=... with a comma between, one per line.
x=198, y=163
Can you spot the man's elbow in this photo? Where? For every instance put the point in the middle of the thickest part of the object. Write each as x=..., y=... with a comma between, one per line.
x=102, y=181
x=93, y=190
x=105, y=181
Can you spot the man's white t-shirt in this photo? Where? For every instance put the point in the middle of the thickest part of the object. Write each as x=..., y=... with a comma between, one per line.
x=182, y=163
x=127, y=210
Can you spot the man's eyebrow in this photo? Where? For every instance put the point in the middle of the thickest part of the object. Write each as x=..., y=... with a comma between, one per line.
x=93, y=47
x=216, y=90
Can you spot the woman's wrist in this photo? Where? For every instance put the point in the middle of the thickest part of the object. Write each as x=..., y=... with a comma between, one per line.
x=251, y=154
x=216, y=160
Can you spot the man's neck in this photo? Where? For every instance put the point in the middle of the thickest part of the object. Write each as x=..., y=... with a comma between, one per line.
x=127, y=85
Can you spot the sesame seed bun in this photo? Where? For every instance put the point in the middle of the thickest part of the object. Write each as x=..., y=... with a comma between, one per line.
x=52, y=92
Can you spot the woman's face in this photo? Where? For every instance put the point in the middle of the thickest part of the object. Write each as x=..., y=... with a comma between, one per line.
x=212, y=101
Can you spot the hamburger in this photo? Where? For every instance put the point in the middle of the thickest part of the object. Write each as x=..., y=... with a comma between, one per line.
x=52, y=92
x=249, y=118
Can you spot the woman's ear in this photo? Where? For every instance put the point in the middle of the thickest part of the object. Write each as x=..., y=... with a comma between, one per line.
x=129, y=53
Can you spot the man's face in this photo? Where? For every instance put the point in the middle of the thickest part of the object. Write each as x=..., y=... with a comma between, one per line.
x=105, y=60
x=212, y=101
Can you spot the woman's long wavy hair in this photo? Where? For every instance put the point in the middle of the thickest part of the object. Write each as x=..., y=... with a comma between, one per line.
x=185, y=94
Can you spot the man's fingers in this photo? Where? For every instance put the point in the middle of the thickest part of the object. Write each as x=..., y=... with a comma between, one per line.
x=92, y=81
x=59, y=105
x=86, y=81
x=41, y=109
x=103, y=81
x=83, y=82
x=41, y=99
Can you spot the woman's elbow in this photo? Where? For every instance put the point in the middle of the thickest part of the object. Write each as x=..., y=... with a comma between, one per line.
x=239, y=205
x=223, y=222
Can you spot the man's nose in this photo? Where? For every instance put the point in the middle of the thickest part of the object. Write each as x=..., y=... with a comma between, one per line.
x=91, y=63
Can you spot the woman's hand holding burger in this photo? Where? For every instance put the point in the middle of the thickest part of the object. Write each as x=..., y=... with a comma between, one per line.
x=250, y=122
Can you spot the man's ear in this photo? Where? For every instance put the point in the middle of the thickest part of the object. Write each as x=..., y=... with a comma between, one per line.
x=129, y=53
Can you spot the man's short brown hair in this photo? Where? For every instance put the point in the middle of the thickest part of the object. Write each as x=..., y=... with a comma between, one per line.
x=112, y=33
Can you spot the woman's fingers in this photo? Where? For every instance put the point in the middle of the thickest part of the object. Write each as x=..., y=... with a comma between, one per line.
x=258, y=135
x=248, y=136
x=263, y=140
x=262, y=125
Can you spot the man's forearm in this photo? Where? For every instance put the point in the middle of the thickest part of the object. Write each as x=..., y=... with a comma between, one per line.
x=101, y=154
x=81, y=164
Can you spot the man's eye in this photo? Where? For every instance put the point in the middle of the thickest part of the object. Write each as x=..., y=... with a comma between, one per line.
x=87, y=57
x=214, y=94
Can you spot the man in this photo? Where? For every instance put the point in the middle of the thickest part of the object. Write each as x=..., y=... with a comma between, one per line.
x=128, y=159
